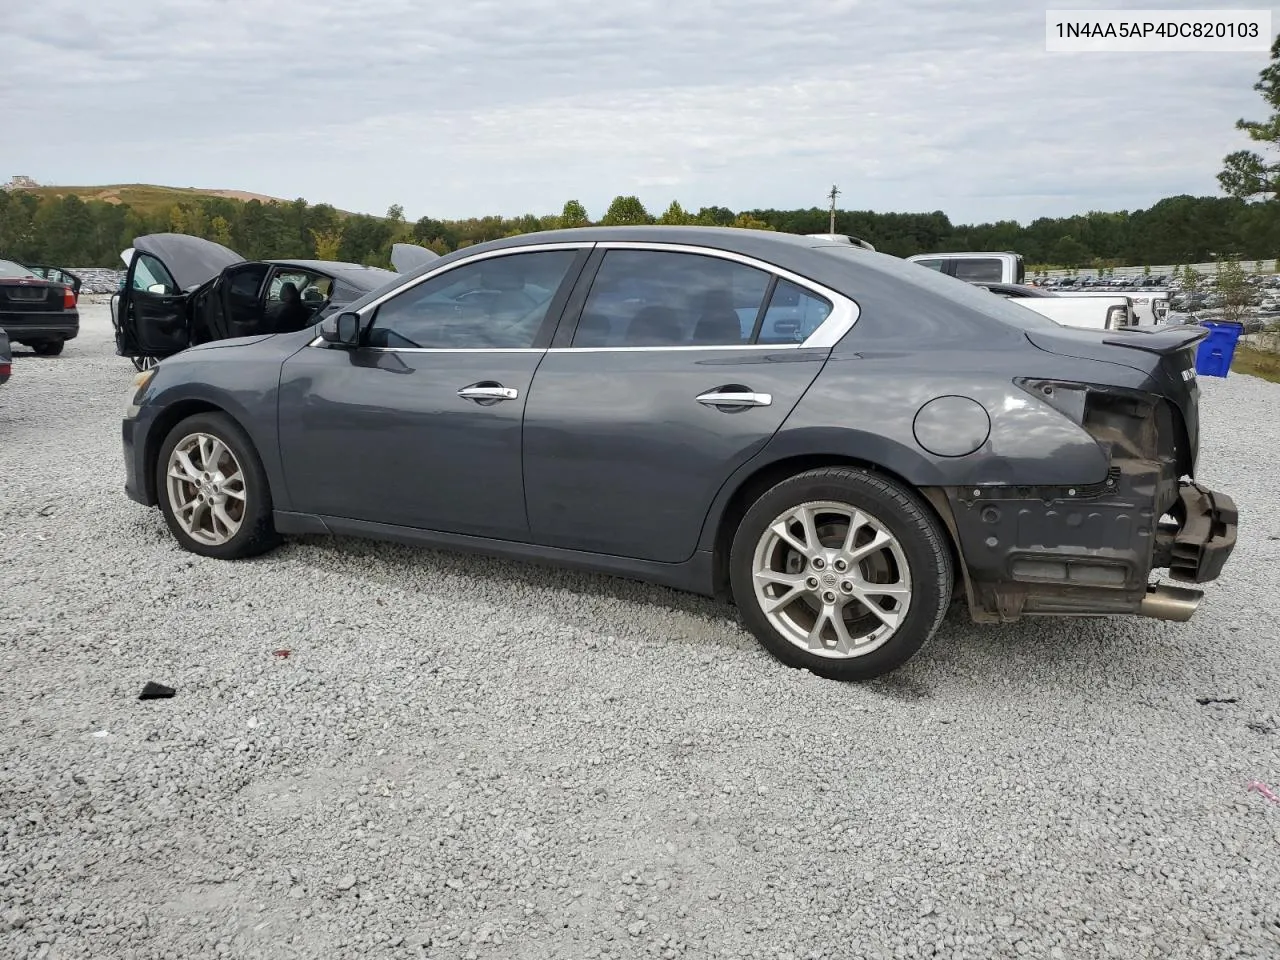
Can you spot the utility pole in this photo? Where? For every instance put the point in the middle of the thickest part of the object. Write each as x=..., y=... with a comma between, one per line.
x=835, y=192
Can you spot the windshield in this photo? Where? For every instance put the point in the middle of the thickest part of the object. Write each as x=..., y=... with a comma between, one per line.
x=10, y=269
x=961, y=291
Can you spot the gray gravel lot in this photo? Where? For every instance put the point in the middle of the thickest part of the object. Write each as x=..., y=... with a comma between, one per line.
x=463, y=757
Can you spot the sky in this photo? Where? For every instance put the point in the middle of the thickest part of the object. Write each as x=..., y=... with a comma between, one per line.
x=507, y=107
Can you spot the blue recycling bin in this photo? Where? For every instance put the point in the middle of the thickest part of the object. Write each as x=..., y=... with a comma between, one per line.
x=1213, y=356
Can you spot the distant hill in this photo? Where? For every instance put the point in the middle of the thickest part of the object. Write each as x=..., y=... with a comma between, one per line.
x=147, y=197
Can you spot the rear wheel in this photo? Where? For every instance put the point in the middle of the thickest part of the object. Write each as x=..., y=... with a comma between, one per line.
x=144, y=363
x=48, y=348
x=842, y=572
x=213, y=490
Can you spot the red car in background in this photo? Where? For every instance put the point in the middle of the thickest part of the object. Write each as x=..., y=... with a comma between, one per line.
x=40, y=313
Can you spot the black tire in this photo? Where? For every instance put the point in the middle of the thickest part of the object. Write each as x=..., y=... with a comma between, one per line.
x=257, y=533
x=48, y=348
x=908, y=519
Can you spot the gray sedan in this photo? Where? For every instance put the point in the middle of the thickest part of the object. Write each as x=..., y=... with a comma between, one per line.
x=836, y=440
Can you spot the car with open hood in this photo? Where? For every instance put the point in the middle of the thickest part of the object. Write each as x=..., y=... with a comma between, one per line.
x=834, y=439
x=181, y=290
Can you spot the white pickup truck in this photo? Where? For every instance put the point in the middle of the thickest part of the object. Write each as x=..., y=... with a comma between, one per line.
x=1003, y=273
x=1106, y=312
x=1002, y=266
x=1150, y=307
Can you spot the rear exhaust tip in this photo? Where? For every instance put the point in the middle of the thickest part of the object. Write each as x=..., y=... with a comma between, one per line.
x=1170, y=603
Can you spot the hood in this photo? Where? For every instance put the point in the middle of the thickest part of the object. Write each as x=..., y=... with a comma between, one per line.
x=409, y=256
x=191, y=260
x=231, y=342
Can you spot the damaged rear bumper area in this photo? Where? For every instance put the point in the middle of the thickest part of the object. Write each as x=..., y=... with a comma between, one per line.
x=1090, y=550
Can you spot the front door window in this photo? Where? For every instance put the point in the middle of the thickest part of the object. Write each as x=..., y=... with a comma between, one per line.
x=496, y=303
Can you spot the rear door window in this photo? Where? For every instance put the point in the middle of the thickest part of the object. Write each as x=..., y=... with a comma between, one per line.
x=985, y=269
x=658, y=298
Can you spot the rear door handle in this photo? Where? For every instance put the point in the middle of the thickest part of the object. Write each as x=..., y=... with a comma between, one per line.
x=733, y=398
x=488, y=392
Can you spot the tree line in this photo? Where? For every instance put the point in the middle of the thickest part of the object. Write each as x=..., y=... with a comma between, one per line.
x=71, y=231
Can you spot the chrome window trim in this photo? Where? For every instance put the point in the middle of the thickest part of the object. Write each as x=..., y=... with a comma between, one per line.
x=455, y=349
x=705, y=348
x=844, y=311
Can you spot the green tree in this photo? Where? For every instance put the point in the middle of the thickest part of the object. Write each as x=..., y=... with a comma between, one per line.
x=625, y=211
x=328, y=243
x=723, y=216
x=744, y=221
x=197, y=222
x=17, y=229
x=220, y=231
x=574, y=214
x=675, y=215
x=1069, y=252
x=1247, y=174
x=63, y=230
x=1191, y=279
x=1233, y=285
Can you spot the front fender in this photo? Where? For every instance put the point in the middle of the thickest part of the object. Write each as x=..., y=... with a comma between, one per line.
x=242, y=381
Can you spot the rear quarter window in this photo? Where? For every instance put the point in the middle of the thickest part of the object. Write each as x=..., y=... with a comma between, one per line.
x=976, y=298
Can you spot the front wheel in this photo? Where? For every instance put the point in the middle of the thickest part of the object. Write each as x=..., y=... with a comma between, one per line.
x=841, y=571
x=213, y=489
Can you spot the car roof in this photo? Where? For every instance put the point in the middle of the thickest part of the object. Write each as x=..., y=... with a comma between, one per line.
x=967, y=253
x=787, y=250
x=358, y=274
x=877, y=281
x=722, y=238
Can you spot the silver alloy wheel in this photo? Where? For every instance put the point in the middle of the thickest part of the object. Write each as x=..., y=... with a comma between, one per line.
x=831, y=579
x=206, y=489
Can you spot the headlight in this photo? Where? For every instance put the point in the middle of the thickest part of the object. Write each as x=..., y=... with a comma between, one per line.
x=135, y=391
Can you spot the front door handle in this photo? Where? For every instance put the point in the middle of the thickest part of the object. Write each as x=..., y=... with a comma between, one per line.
x=488, y=391
x=735, y=398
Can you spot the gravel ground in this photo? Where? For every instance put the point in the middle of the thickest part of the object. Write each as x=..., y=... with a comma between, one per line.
x=462, y=757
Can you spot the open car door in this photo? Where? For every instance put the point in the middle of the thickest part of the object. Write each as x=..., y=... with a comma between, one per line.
x=410, y=256
x=57, y=275
x=164, y=270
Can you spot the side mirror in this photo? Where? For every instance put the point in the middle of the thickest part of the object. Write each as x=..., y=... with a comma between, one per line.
x=157, y=288
x=342, y=330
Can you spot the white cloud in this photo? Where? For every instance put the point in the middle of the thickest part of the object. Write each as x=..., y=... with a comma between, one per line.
x=515, y=106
